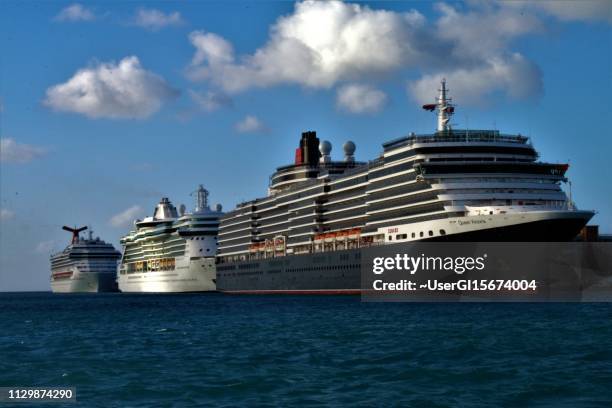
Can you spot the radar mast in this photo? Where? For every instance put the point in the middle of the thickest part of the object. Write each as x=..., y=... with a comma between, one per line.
x=444, y=107
x=201, y=199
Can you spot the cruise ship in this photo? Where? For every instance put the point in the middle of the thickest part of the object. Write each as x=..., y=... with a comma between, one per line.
x=86, y=265
x=172, y=251
x=307, y=234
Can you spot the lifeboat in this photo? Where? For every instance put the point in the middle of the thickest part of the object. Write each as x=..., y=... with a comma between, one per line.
x=330, y=236
x=269, y=245
x=342, y=234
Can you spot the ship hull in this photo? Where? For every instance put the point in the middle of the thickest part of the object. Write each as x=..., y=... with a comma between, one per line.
x=339, y=272
x=192, y=276
x=90, y=282
x=536, y=226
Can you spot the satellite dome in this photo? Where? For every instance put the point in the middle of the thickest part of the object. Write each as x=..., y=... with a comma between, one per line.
x=325, y=148
x=349, y=148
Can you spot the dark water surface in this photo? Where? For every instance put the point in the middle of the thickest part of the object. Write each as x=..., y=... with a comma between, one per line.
x=217, y=350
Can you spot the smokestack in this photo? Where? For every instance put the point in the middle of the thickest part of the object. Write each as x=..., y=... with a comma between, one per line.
x=309, y=146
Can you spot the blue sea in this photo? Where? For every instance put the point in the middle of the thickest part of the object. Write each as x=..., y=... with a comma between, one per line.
x=218, y=350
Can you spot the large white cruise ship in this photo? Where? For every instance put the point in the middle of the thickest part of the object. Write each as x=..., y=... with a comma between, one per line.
x=452, y=185
x=172, y=252
x=86, y=265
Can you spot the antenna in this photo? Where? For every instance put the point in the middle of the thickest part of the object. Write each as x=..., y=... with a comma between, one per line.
x=444, y=107
x=75, y=232
x=571, y=200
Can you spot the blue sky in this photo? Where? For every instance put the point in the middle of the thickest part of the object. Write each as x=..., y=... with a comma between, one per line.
x=107, y=106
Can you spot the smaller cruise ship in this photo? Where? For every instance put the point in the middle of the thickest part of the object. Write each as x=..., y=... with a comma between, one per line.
x=86, y=265
x=172, y=251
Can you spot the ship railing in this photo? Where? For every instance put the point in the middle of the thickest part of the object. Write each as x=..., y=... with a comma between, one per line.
x=316, y=248
x=491, y=136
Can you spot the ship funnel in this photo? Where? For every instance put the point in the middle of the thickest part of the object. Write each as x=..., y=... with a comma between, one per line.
x=308, y=152
x=75, y=232
x=164, y=210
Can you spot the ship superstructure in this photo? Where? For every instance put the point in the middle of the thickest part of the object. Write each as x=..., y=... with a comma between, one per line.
x=172, y=251
x=86, y=265
x=454, y=184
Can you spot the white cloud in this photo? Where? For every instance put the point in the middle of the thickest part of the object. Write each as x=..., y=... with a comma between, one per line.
x=45, y=247
x=6, y=214
x=109, y=90
x=583, y=10
x=515, y=76
x=250, y=124
x=75, y=12
x=127, y=217
x=323, y=43
x=210, y=101
x=13, y=152
x=478, y=61
x=154, y=20
x=359, y=98
x=316, y=46
x=482, y=32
